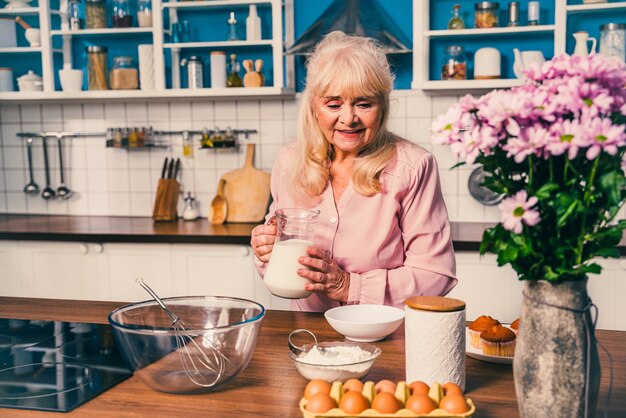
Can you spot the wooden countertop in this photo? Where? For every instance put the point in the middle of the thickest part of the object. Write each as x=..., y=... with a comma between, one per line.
x=271, y=387
x=466, y=236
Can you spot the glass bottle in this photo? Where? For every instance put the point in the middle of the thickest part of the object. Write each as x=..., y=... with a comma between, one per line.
x=141, y=137
x=233, y=79
x=229, y=138
x=206, y=142
x=187, y=144
x=232, y=28
x=217, y=138
x=73, y=12
x=95, y=14
x=110, y=136
x=456, y=22
x=454, y=64
x=132, y=138
x=613, y=40
x=124, y=74
x=117, y=138
x=97, y=67
x=144, y=13
x=121, y=14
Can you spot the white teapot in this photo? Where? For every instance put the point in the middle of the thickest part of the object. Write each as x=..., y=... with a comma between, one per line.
x=525, y=59
x=30, y=82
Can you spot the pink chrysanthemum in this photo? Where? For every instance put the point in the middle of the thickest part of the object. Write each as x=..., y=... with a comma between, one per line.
x=517, y=209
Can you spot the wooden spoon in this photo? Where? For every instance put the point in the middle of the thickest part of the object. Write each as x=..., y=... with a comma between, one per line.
x=258, y=67
x=22, y=23
x=219, y=206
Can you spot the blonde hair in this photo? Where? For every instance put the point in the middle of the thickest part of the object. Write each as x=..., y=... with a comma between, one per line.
x=357, y=67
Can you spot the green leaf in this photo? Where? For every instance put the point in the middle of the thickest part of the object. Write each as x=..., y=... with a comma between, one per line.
x=612, y=183
x=611, y=252
x=568, y=212
x=544, y=191
x=507, y=255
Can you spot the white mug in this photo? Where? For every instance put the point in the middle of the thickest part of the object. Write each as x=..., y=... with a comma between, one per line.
x=71, y=80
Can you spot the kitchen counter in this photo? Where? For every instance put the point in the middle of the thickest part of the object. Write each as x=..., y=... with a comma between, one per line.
x=271, y=387
x=466, y=236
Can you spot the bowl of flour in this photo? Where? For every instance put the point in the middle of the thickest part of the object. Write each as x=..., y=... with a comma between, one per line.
x=338, y=360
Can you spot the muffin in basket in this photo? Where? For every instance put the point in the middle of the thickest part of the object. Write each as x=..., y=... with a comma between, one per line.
x=479, y=325
x=498, y=341
x=515, y=326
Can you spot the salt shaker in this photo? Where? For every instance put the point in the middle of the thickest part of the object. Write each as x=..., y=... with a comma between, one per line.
x=435, y=340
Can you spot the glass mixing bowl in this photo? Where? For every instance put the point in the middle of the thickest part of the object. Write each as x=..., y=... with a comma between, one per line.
x=211, y=344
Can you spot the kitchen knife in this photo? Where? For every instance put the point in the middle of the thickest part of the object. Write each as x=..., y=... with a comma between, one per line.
x=170, y=169
x=164, y=168
x=176, y=168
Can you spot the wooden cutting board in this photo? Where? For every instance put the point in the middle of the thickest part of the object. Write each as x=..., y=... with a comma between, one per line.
x=247, y=191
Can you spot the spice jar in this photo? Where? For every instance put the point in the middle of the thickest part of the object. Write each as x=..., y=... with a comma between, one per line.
x=144, y=13
x=613, y=40
x=486, y=14
x=454, y=64
x=121, y=14
x=97, y=67
x=95, y=14
x=124, y=74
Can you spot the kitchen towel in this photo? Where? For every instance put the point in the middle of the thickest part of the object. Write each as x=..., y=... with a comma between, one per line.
x=146, y=67
x=435, y=340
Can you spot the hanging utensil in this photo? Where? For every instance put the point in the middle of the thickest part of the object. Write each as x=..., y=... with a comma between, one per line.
x=479, y=192
x=31, y=187
x=63, y=191
x=48, y=192
x=219, y=206
x=164, y=169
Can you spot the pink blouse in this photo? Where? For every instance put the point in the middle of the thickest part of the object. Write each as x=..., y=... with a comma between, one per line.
x=395, y=244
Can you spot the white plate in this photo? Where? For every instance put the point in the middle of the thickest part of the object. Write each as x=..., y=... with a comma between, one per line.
x=477, y=353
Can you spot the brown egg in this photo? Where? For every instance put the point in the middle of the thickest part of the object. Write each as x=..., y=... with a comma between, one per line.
x=451, y=388
x=316, y=386
x=418, y=387
x=420, y=404
x=385, y=386
x=454, y=403
x=320, y=402
x=386, y=403
x=353, y=384
x=353, y=402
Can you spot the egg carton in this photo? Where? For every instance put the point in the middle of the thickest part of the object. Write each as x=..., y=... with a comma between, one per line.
x=401, y=394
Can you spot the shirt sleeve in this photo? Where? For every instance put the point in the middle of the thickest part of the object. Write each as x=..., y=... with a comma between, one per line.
x=429, y=266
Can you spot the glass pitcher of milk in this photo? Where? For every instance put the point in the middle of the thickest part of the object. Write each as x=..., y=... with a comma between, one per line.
x=294, y=235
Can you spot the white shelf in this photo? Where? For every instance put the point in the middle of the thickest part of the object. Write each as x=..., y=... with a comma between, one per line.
x=207, y=4
x=20, y=11
x=595, y=7
x=104, y=31
x=452, y=85
x=220, y=44
x=490, y=31
x=20, y=50
x=230, y=93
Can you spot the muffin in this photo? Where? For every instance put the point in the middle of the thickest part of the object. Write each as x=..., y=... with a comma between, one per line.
x=515, y=326
x=479, y=325
x=498, y=341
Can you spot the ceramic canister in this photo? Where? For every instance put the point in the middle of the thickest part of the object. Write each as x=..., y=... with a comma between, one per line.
x=435, y=340
x=487, y=64
x=6, y=79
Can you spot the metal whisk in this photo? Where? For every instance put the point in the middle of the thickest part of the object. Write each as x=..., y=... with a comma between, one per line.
x=196, y=359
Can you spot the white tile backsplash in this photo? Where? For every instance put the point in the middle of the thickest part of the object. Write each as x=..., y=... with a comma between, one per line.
x=122, y=182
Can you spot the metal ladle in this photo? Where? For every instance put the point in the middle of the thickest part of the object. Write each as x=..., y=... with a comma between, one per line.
x=48, y=192
x=63, y=191
x=31, y=187
x=297, y=350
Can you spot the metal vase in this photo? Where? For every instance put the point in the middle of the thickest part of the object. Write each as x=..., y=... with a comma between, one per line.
x=556, y=356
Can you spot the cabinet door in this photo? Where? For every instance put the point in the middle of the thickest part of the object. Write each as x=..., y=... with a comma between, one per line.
x=59, y=270
x=226, y=270
x=126, y=262
x=11, y=282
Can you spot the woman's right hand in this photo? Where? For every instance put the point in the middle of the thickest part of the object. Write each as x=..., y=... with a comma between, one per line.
x=263, y=237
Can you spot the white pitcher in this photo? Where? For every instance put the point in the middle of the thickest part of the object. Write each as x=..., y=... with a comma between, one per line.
x=525, y=59
x=582, y=38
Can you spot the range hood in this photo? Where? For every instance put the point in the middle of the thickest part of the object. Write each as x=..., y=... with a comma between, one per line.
x=354, y=17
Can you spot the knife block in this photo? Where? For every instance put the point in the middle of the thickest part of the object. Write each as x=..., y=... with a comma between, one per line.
x=166, y=201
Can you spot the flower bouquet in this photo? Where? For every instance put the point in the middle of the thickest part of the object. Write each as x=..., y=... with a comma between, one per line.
x=555, y=148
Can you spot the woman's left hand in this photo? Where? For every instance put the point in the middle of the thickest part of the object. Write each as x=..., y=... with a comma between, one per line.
x=327, y=277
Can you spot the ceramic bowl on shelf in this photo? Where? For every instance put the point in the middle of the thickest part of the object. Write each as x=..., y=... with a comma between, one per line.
x=17, y=4
x=365, y=322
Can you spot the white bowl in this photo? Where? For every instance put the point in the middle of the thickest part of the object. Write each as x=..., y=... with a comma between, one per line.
x=365, y=323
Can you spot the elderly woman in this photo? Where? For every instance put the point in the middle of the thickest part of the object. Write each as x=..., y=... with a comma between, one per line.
x=383, y=233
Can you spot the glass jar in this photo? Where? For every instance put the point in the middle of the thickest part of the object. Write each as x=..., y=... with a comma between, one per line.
x=124, y=74
x=613, y=40
x=97, y=67
x=454, y=64
x=144, y=13
x=73, y=11
x=456, y=22
x=486, y=14
x=95, y=14
x=121, y=14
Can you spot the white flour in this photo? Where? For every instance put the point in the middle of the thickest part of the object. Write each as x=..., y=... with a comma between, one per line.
x=332, y=356
x=334, y=363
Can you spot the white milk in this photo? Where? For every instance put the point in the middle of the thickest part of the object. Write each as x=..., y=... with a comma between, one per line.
x=281, y=276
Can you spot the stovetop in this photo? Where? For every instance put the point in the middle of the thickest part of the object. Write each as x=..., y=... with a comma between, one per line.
x=55, y=365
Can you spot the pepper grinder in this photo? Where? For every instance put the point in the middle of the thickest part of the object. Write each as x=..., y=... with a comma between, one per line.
x=190, y=213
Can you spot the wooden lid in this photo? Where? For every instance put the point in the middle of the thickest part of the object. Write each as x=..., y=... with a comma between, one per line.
x=435, y=303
